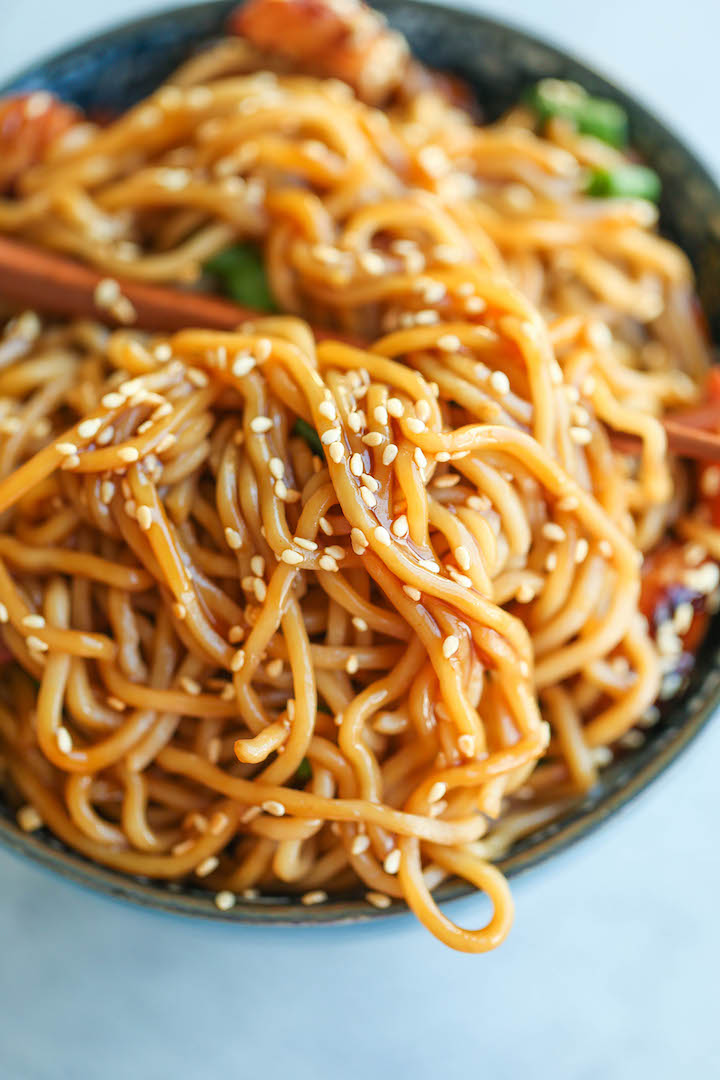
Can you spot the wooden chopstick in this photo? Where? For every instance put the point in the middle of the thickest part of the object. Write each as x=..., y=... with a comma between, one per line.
x=53, y=283
x=58, y=285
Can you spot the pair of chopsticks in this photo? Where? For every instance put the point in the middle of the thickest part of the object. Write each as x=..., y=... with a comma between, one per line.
x=51, y=283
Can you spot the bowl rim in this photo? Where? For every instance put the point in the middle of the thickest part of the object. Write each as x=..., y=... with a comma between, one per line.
x=697, y=707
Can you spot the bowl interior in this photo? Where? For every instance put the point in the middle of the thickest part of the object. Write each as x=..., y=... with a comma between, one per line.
x=116, y=69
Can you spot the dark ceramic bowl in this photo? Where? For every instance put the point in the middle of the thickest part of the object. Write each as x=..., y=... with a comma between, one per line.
x=116, y=69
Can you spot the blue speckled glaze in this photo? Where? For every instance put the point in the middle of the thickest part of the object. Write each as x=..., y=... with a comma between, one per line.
x=114, y=70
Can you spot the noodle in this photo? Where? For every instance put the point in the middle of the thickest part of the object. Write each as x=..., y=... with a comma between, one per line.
x=279, y=664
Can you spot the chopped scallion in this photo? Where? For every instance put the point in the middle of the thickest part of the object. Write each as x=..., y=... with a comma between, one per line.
x=309, y=434
x=626, y=182
x=605, y=120
x=240, y=274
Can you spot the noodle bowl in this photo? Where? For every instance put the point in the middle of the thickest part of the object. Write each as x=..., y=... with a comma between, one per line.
x=302, y=615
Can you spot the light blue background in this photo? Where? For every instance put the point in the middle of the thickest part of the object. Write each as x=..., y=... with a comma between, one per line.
x=611, y=970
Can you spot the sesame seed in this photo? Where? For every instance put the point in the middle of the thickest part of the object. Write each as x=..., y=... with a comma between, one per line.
x=412, y=592
x=704, y=580
x=144, y=517
x=317, y=896
x=275, y=668
x=263, y=349
x=260, y=424
x=450, y=646
x=183, y=847
x=367, y=497
x=710, y=481
x=474, y=305
x=67, y=449
x=581, y=550
x=324, y=253
x=551, y=562
x=605, y=549
x=395, y=407
x=64, y=740
x=88, y=428
x=281, y=489
x=257, y=565
x=437, y=791
x=373, y=438
x=466, y=745
x=400, y=526
x=271, y=806
x=599, y=334
x=358, y=538
x=308, y=545
x=423, y=410
x=207, y=866
x=292, y=558
x=581, y=436
x=525, y=594
x=336, y=551
x=326, y=562
x=4, y=617
x=250, y=894
x=429, y=564
x=356, y=465
x=190, y=686
x=500, y=382
x=694, y=554
x=382, y=535
x=360, y=843
x=33, y=622
x=235, y=634
x=447, y=480
x=370, y=482
x=359, y=623
x=352, y=665
x=242, y=364
x=237, y=661
x=179, y=611
x=419, y=458
x=552, y=531
x=260, y=590
x=462, y=557
x=28, y=819
x=378, y=899
x=391, y=865
x=225, y=900
x=332, y=435
x=355, y=421
x=336, y=452
x=36, y=644
x=570, y=502
x=107, y=293
x=389, y=454
x=449, y=343
x=276, y=467
x=129, y=454
x=415, y=425
x=380, y=414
